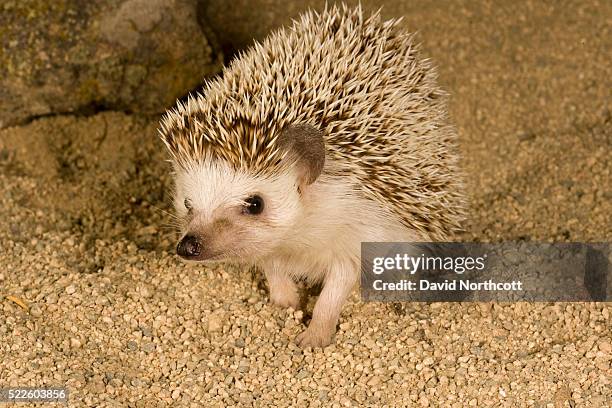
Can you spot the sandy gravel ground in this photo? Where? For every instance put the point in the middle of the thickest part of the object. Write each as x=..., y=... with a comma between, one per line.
x=93, y=298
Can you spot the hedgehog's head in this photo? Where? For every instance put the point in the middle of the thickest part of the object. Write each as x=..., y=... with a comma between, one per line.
x=228, y=212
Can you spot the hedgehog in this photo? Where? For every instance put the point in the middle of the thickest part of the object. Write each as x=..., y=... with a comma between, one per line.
x=327, y=134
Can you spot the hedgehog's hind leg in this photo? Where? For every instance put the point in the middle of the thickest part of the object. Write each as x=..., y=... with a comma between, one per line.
x=283, y=289
x=338, y=284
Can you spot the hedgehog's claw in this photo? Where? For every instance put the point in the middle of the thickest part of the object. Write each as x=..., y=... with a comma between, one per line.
x=314, y=337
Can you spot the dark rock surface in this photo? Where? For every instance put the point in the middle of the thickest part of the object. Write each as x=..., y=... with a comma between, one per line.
x=80, y=55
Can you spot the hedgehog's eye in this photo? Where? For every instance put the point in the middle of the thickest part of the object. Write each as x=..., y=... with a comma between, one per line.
x=188, y=204
x=254, y=205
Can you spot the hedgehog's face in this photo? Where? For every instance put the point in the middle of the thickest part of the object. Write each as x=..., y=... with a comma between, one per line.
x=233, y=214
x=229, y=214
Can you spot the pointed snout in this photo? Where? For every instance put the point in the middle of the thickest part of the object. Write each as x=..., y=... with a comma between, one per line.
x=190, y=247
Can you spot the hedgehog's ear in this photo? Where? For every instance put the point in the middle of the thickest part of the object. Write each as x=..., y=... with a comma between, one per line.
x=305, y=144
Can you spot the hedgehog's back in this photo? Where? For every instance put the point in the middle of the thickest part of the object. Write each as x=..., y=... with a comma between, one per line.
x=361, y=81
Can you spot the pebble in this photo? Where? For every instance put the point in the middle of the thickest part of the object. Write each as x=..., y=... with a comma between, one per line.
x=215, y=323
x=374, y=381
x=148, y=347
x=35, y=311
x=524, y=136
x=605, y=346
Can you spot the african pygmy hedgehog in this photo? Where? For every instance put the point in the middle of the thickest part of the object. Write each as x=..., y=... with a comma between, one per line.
x=326, y=134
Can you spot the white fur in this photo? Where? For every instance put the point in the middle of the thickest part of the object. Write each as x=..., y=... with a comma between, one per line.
x=315, y=235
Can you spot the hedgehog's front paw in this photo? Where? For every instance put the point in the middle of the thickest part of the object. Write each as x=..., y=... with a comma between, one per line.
x=283, y=290
x=285, y=299
x=314, y=337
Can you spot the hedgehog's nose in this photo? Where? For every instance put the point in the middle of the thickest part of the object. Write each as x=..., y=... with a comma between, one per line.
x=189, y=247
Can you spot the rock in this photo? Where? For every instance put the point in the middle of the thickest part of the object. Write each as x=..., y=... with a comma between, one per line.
x=36, y=311
x=148, y=347
x=303, y=374
x=525, y=135
x=374, y=381
x=146, y=331
x=75, y=55
x=215, y=322
x=605, y=346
